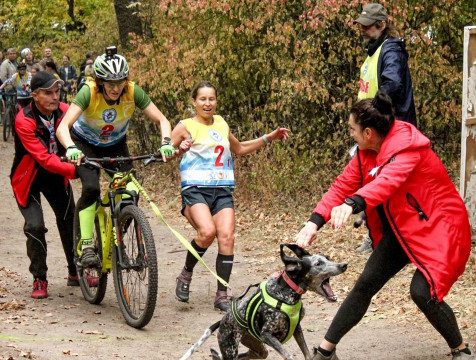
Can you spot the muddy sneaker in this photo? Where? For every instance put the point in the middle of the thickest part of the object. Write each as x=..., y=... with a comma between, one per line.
x=221, y=301
x=182, y=290
x=40, y=289
x=466, y=354
x=319, y=356
x=365, y=247
x=89, y=258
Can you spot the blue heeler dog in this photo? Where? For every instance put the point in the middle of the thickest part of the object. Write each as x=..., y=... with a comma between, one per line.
x=271, y=314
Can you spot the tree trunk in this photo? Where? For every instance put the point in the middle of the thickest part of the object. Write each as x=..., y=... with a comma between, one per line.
x=75, y=25
x=128, y=20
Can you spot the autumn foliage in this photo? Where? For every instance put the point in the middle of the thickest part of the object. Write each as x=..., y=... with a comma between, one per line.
x=296, y=64
x=290, y=63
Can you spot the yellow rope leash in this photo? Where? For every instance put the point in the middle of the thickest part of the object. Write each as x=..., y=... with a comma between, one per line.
x=176, y=233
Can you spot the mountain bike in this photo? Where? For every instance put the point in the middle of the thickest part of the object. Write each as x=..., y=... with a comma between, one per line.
x=10, y=113
x=124, y=242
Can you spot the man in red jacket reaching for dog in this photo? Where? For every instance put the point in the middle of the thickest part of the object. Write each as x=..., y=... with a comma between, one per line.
x=37, y=168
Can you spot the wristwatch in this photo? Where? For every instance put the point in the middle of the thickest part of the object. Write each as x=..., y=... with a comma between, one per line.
x=166, y=141
x=351, y=202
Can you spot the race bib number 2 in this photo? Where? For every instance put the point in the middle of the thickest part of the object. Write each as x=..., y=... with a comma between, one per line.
x=106, y=131
x=220, y=150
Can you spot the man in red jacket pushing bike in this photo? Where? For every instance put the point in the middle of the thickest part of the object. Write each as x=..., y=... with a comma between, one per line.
x=36, y=169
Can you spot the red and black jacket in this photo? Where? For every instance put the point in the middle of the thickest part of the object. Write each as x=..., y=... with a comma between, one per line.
x=31, y=151
x=422, y=205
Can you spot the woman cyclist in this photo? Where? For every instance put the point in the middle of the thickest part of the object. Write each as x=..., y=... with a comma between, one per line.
x=99, y=117
x=207, y=177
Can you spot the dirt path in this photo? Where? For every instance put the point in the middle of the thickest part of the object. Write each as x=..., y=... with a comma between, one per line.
x=66, y=326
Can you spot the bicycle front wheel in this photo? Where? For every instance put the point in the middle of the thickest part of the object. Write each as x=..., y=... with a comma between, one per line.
x=7, y=125
x=135, y=278
x=93, y=281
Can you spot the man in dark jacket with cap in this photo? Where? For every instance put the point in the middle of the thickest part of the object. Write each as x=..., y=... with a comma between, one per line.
x=386, y=69
x=37, y=168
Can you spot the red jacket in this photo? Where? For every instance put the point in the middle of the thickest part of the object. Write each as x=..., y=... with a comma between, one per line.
x=31, y=151
x=425, y=212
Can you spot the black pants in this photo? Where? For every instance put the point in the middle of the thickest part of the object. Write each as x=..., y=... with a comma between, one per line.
x=386, y=260
x=61, y=201
x=90, y=177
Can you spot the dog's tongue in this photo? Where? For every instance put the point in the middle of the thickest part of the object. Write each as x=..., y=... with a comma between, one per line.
x=326, y=286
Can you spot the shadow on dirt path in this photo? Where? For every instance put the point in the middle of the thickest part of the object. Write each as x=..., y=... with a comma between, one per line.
x=65, y=326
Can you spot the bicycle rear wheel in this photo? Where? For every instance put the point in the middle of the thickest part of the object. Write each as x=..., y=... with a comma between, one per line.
x=136, y=279
x=93, y=281
x=7, y=125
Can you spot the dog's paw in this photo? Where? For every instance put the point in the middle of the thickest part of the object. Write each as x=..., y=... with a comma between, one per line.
x=215, y=354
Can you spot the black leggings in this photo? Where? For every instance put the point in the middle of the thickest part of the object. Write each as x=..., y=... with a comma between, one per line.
x=386, y=260
x=90, y=177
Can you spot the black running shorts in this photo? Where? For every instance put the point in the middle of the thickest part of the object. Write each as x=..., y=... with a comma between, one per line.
x=217, y=198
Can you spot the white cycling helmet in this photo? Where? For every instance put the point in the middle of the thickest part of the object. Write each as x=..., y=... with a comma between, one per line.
x=24, y=52
x=109, y=68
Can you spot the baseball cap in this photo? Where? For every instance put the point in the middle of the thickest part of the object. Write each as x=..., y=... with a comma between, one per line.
x=372, y=13
x=44, y=80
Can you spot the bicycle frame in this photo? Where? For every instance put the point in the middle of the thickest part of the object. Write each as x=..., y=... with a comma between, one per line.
x=10, y=101
x=108, y=220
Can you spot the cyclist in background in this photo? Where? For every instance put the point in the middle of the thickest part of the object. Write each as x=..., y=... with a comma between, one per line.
x=21, y=83
x=99, y=117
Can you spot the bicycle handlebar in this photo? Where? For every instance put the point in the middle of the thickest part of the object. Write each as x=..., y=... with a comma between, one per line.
x=96, y=162
x=8, y=93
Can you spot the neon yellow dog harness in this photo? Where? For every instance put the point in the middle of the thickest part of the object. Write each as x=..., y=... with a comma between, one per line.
x=293, y=312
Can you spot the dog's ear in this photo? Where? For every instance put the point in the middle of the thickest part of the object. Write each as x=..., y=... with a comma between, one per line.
x=299, y=251
x=293, y=266
x=293, y=263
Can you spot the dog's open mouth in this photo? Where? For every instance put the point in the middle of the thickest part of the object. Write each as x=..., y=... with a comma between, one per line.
x=326, y=287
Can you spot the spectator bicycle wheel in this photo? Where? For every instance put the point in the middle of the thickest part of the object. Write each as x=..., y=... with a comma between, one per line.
x=8, y=123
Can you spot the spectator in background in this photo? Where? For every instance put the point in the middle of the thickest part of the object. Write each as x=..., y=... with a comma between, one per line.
x=9, y=67
x=386, y=66
x=385, y=69
x=91, y=56
x=50, y=66
x=67, y=73
x=48, y=57
x=1, y=60
x=30, y=60
x=82, y=76
x=36, y=68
